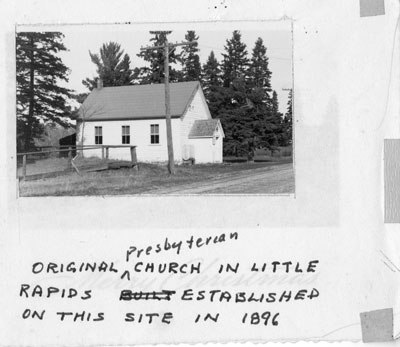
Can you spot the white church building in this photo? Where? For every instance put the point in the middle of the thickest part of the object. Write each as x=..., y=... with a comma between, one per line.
x=135, y=115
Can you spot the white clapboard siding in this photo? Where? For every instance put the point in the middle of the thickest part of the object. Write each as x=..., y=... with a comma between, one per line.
x=196, y=110
x=207, y=149
x=204, y=150
x=139, y=136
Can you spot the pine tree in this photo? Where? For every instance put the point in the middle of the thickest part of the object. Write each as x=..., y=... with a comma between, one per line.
x=235, y=62
x=234, y=109
x=233, y=105
x=265, y=117
x=274, y=103
x=274, y=122
x=289, y=104
x=191, y=68
x=113, y=67
x=288, y=122
x=155, y=72
x=237, y=131
x=259, y=72
x=212, y=84
x=40, y=99
x=211, y=73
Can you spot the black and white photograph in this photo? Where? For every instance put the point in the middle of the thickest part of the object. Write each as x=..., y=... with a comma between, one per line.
x=222, y=173
x=127, y=111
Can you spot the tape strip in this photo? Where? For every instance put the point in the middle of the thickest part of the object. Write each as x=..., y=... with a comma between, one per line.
x=392, y=180
x=377, y=326
x=372, y=8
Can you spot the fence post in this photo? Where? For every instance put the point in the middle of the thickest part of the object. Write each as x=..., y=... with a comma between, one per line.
x=24, y=166
x=134, y=157
x=102, y=152
x=107, y=152
x=69, y=157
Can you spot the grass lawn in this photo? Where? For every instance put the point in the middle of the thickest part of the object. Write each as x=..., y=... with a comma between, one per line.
x=149, y=179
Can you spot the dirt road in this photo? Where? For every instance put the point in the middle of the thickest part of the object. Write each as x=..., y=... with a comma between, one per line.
x=238, y=178
x=278, y=179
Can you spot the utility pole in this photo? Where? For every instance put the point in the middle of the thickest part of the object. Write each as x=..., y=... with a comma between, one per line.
x=171, y=160
x=166, y=47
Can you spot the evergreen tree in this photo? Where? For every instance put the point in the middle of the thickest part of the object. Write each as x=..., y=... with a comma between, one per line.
x=274, y=103
x=212, y=84
x=287, y=122
x=113, y=67
x=211, y=73
x=259, y=72
x=231, y=101
x=235, y=61
x=271, y=131
x=249, y=115
x=155, y=72
x=234, y=109
x=276, y=118
x=40, y=99
x=191, y=68
x=289, y=104
x=267, y=120
x=237, y=131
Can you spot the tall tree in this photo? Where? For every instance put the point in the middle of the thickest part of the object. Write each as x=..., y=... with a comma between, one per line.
x=274, y=103
x=212, y=84
x=259, y=79
x=259, y=72
x=289, y=109
x=211, y=72
x=113, y=67
x=276, y=118
x=235, y=61
x=234, y=108
x=288, y=121
x=244, y=101
x=266, y=118
x=231, y=102
x=155, y=72
x=191, y=67
x=40, y=99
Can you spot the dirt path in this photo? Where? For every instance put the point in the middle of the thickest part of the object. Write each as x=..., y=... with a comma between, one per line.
x=278, y=179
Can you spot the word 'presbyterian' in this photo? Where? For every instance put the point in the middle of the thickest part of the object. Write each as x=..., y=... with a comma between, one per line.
x=177, y=246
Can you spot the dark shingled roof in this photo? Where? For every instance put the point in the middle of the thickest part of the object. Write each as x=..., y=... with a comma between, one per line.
x=204, y=128
x=137, y=101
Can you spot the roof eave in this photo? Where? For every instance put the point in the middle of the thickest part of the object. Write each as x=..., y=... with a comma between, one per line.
x=201, y=137
x=108, y=119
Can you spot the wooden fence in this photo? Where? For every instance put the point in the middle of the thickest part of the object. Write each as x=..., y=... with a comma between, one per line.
x=105, y=150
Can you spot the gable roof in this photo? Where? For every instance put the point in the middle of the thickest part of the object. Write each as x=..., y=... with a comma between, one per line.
x=205, y=128
x=137, y=101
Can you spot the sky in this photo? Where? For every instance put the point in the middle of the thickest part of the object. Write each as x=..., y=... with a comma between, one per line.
x=81, y=39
